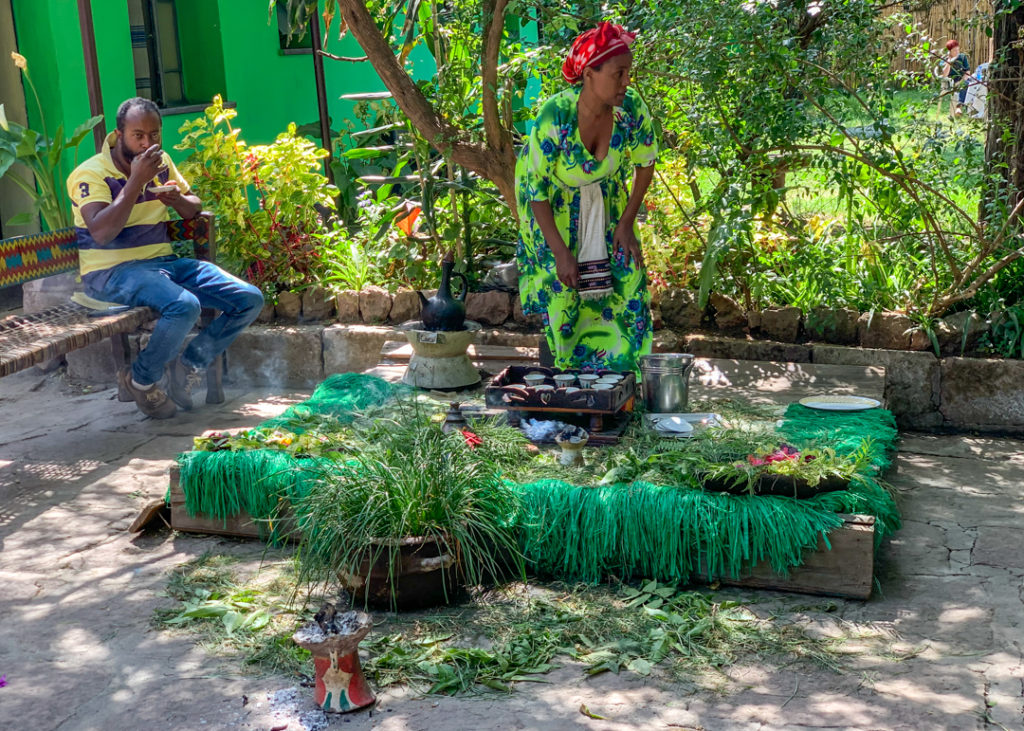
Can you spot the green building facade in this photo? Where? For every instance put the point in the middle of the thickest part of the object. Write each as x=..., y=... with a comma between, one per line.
x=180, y=53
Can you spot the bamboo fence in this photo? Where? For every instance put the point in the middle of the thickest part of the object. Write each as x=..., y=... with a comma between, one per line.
x=937, y=22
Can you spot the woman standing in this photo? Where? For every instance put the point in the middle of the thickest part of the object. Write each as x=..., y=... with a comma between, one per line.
x=958, y=70
x=580, y=181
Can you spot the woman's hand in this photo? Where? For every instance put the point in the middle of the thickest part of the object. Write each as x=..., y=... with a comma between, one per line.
x=566, y=268
x=625, y=241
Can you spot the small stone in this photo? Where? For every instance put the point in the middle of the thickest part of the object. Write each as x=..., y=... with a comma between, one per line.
x=920, y=340
x=828, y=325
x=289, y=306
x=266, y=315
x=489, y=308
x=406, y=306
x=346, y=304
x=666, y=341
x=884, y=330
x=679, y=309
x=754, y=320
x=781, y=323
x=317, y=304
x=374, y=305
x=951, y=336
x=728, y=314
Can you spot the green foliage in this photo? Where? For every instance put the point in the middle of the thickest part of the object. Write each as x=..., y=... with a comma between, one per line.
x=270, y=199
x=645, y=628
x=252, y=619
x=505, y=636
x=395, y=171
x=45, y=158
x=405, y=477
x=1006, y=336
x=772, y=110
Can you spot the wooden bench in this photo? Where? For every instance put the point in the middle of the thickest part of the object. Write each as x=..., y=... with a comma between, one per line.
x=35, y=338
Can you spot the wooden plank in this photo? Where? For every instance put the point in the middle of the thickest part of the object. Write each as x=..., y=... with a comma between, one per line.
x=394, y=350
x=239, y=525
x=847, y=570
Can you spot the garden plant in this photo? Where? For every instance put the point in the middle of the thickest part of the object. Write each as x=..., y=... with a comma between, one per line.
x=797, y=167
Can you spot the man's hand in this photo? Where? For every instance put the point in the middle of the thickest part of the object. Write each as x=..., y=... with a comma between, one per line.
x=566, y=268
x=625, y=241
x=171, y=197
x=147, y=164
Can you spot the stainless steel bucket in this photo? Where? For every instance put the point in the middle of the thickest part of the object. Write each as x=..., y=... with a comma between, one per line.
x=666, y=381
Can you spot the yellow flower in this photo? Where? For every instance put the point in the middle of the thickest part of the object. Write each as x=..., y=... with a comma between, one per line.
x=19, y=60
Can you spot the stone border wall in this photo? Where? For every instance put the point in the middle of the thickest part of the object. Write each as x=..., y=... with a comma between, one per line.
x=923, y=391
x=674, y=309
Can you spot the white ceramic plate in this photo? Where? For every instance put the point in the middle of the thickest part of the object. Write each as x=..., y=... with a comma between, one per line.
x=674, y=425
x=840, y=403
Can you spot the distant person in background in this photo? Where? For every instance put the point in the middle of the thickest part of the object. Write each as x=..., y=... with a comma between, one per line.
x=957, y=69
x=977, y=92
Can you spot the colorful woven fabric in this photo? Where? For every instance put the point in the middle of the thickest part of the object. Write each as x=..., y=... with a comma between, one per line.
x=199, y=230
x=24, y=258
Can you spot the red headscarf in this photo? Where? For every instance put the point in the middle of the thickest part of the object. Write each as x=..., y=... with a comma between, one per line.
x=594, y=47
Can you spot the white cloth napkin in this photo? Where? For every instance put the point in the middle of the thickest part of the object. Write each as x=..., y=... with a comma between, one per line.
x=592, y=252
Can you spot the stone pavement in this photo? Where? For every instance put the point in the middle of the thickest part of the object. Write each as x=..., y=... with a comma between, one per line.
x=77, y=593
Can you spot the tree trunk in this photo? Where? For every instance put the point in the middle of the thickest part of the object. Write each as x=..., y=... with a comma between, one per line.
x=496, y=160
x=1004, y=147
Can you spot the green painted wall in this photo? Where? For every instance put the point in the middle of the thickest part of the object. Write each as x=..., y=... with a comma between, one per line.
x=272, y=88
x=230, y=40
x=201, y=50
x=53, y=48
x=228, y=47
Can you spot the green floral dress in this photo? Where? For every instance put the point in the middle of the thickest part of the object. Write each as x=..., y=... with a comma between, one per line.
x=611, y=332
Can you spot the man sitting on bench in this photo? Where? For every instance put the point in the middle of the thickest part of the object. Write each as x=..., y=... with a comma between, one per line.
x=120, y=198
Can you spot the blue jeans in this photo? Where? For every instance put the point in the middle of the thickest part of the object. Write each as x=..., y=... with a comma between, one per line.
x=178, y=289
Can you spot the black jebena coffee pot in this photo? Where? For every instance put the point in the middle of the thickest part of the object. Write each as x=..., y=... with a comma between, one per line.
x=443, y=311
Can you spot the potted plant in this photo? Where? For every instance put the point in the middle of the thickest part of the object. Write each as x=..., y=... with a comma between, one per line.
x=413, y=514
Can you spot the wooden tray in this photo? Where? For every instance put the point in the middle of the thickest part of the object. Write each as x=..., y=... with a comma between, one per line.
x=500, y=394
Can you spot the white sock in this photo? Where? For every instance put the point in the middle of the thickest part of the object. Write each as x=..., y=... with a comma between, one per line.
x=142, y=387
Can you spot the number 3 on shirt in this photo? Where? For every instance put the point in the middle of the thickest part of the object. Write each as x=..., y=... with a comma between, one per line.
x=83, y=189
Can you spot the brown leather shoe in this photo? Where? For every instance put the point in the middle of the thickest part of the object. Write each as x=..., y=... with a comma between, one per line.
x=181, y=381
x=151, y=401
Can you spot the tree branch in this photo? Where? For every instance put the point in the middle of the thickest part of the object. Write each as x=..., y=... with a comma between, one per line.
x=496, y=165
x=351, y=59
x=494, y=12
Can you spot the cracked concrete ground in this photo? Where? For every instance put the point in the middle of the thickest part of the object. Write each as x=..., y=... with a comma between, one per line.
x=77, y=593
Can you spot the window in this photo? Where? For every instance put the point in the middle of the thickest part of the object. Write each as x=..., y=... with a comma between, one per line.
x=291, y=43
x=157, y=52
x=169, y=35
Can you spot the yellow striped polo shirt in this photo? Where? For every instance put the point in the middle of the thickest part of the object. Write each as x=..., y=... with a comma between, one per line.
x=97, y=180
